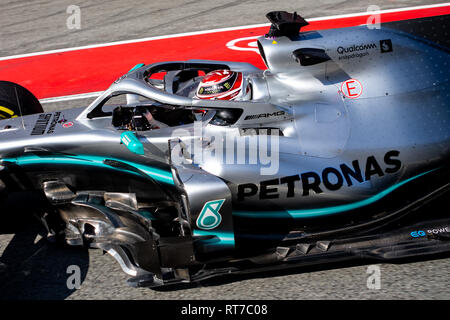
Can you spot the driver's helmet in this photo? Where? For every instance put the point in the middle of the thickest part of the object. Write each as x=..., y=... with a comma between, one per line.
x=221, y=85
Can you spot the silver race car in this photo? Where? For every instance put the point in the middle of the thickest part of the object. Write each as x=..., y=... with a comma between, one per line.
x=187, y=170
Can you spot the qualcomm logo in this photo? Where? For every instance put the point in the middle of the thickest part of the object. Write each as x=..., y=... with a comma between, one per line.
x=210, y=217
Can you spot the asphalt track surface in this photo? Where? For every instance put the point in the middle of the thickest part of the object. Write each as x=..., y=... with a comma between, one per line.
x=35, y=269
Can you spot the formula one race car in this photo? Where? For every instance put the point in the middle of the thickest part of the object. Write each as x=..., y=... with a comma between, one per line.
x=187, y=170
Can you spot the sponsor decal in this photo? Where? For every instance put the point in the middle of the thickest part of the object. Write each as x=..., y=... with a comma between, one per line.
x=417, y=234
x=433, y=231
x=43, y=121
x=439, y=230
x=210, y=217
x=386, y=45
x=126, y=140
x=41, y=124
x=330, y=178
x=355, y=48
x=265, y=115
x=63, y=120
x=355, y=51
x=53, y=123
x=67, y=124
x=351, y=88
x=121, y=78
x=362, y=50
x=355, y=55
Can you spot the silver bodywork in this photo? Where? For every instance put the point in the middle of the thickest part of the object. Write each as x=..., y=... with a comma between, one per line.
x=398, y=129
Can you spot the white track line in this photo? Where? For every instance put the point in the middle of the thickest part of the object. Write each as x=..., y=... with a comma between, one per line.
x=214, y=31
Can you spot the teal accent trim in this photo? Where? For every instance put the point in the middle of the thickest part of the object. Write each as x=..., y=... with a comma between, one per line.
x=225, y=238
x=132, y=142
x=146, y=214
x=139, y=65
x=88, y=160
x=311, y=213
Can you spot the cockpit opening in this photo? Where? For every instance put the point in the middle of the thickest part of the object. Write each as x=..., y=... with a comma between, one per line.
x=145, y=118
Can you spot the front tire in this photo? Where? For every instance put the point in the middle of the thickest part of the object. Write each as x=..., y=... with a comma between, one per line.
x=11, y=96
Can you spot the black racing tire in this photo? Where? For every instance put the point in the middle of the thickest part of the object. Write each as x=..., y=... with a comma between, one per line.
x=9, y=101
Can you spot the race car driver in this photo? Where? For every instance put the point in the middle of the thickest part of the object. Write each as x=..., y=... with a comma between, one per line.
x=223, y=85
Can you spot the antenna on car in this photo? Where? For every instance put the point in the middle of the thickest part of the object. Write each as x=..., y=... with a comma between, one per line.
x=285, y=24
x=20, y=107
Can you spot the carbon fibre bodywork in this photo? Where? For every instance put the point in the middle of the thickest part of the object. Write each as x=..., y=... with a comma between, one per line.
x=344, y=140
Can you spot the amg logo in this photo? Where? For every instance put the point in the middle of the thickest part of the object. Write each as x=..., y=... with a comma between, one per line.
x=264, y=115
x=41, y=124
